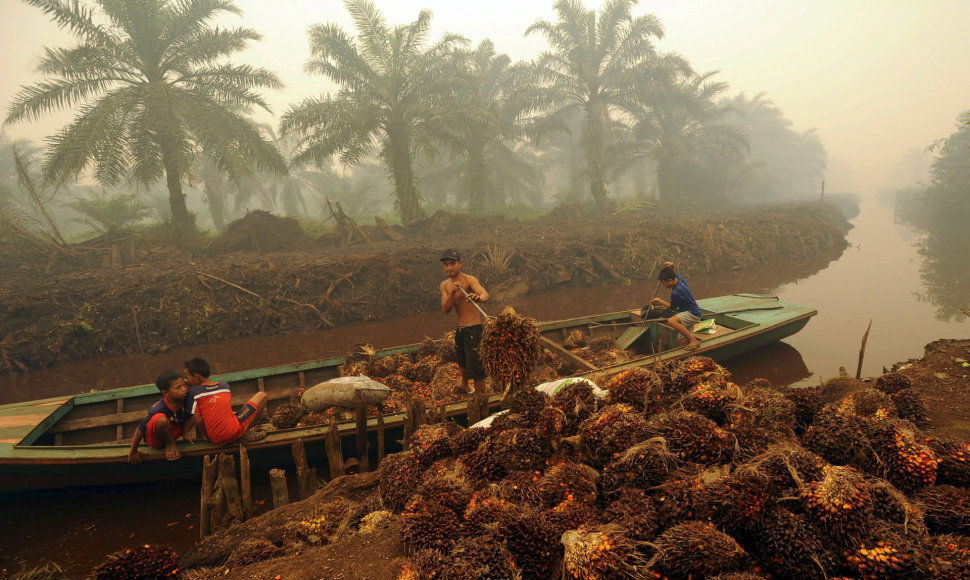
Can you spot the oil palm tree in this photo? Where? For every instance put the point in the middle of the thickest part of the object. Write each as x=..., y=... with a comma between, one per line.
x=683, y=129
x=152, y=86
x=389, y=81
x=589, y=68
x=480, y=127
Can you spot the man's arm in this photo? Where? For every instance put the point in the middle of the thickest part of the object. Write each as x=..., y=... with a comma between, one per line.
x=448, y=291
x=478, y=292
x=134, y=455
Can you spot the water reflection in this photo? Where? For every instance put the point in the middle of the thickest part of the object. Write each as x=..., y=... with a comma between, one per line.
x=946, y=269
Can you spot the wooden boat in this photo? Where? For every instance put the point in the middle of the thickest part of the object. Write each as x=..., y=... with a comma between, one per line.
x=83, y=440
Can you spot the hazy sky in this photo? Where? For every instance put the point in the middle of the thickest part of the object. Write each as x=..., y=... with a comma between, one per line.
x=875, y=78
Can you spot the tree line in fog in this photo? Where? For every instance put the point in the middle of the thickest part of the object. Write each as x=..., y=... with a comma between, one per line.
x=163, y=121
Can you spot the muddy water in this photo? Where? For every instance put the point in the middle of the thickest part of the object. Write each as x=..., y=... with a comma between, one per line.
x=877, y=279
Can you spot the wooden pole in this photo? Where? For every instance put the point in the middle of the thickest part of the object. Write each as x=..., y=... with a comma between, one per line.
x=862, y=351
x=230, y=486
x=473, y=409
x=302, y=469
x=408, y=422
x=217, y=505
x=380, y=435
x=335, y=451
x=363, y=446
x=245, y=483
x=277, y=483
x=209, y=474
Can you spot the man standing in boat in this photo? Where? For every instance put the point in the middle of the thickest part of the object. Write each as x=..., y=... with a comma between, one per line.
x=462, y=292
x=681, y=301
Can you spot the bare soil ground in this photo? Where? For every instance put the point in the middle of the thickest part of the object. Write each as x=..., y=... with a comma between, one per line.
x=264, y=276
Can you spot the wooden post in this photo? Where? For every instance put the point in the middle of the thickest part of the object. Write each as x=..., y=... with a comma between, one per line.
x=302, y=469
x=230, y=486
x=408, y=422
x=209, y=474
x=245, y=483
x=277, y=483
x=473, y=409
x=363, y=446
x=335, y=451
x=862, y=351
x=217, y=505
x=380, y=435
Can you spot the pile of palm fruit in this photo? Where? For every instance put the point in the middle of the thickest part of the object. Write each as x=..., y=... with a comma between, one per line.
x=680, y=473
x=146, y=561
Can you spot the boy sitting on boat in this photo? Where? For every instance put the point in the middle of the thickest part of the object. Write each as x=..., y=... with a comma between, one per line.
x=211, y=402
x=681, y=301
x=165, y=421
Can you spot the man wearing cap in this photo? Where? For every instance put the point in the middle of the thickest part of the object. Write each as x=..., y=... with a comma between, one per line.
x=458, y=293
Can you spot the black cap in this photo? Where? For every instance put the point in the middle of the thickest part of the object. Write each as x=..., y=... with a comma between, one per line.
x=450, y=254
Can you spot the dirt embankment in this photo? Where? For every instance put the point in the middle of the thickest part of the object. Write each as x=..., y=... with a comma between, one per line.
x=264, y=277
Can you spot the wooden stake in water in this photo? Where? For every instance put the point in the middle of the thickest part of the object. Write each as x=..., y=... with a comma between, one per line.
x=862, y=351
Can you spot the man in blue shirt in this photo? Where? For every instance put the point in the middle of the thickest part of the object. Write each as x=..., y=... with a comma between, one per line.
x=681, y=301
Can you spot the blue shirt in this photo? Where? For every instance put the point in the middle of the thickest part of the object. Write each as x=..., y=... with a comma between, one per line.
x=681, y=299
x=174, y=415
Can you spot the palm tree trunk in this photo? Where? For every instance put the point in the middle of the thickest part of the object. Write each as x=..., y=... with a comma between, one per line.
x=405, y=188
x=176, y=198
x=215, y=194
x=477, y=185
x=594, y=141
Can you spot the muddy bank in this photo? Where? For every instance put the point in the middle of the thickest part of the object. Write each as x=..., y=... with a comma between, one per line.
x=146, y=297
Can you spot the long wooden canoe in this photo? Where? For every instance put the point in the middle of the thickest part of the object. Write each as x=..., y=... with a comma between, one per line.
x=83, y=440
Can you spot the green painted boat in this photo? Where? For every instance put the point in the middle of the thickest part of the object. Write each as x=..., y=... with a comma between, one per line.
x=83, y=440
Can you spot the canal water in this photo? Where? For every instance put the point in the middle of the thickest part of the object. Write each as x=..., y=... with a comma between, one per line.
x=877, y=279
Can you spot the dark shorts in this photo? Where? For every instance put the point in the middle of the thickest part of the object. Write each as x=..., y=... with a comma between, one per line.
x=467, y=340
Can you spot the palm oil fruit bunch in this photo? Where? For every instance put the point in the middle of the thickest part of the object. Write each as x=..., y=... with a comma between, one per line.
x=450, y=492
x=139, y=563
x=790, y=546
x=946, y=508
x=446, y=348
x=883, y=558
x=287, y=416
x=634, y=512
x=423, y=370
x=693, y=437
x=398, y=475
x=426, y=524
x=892, y=383
x=522, y=487
x=575, y=339
x=788, y=467
x=694, y=370
x=427, y=348
x=432, y=442
x=467, y=440
x=510, y=348
x=697, y=549
x=603, y=553
x=485, y=512
x=566, y=480
x=712, y=399
x=870, y=403
x=905, y=460
x=612, y=430
x=532, y=542
x=577, y=402
x=640, y=388
x=948, y=557
x=475, y=559
x=910, y=407
x=446, y=377
x=840, y=500
x=893, y=508
x=529, y=403
x=735, y=501
x=954, y=461
x=423, y=565
x=518, y=449
x=570, y=515
x=641, y=466
x=808, y=402
x=481, y=466
x=835, y=435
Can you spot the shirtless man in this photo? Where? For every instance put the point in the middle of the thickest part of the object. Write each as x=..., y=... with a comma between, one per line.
x=469, y=333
